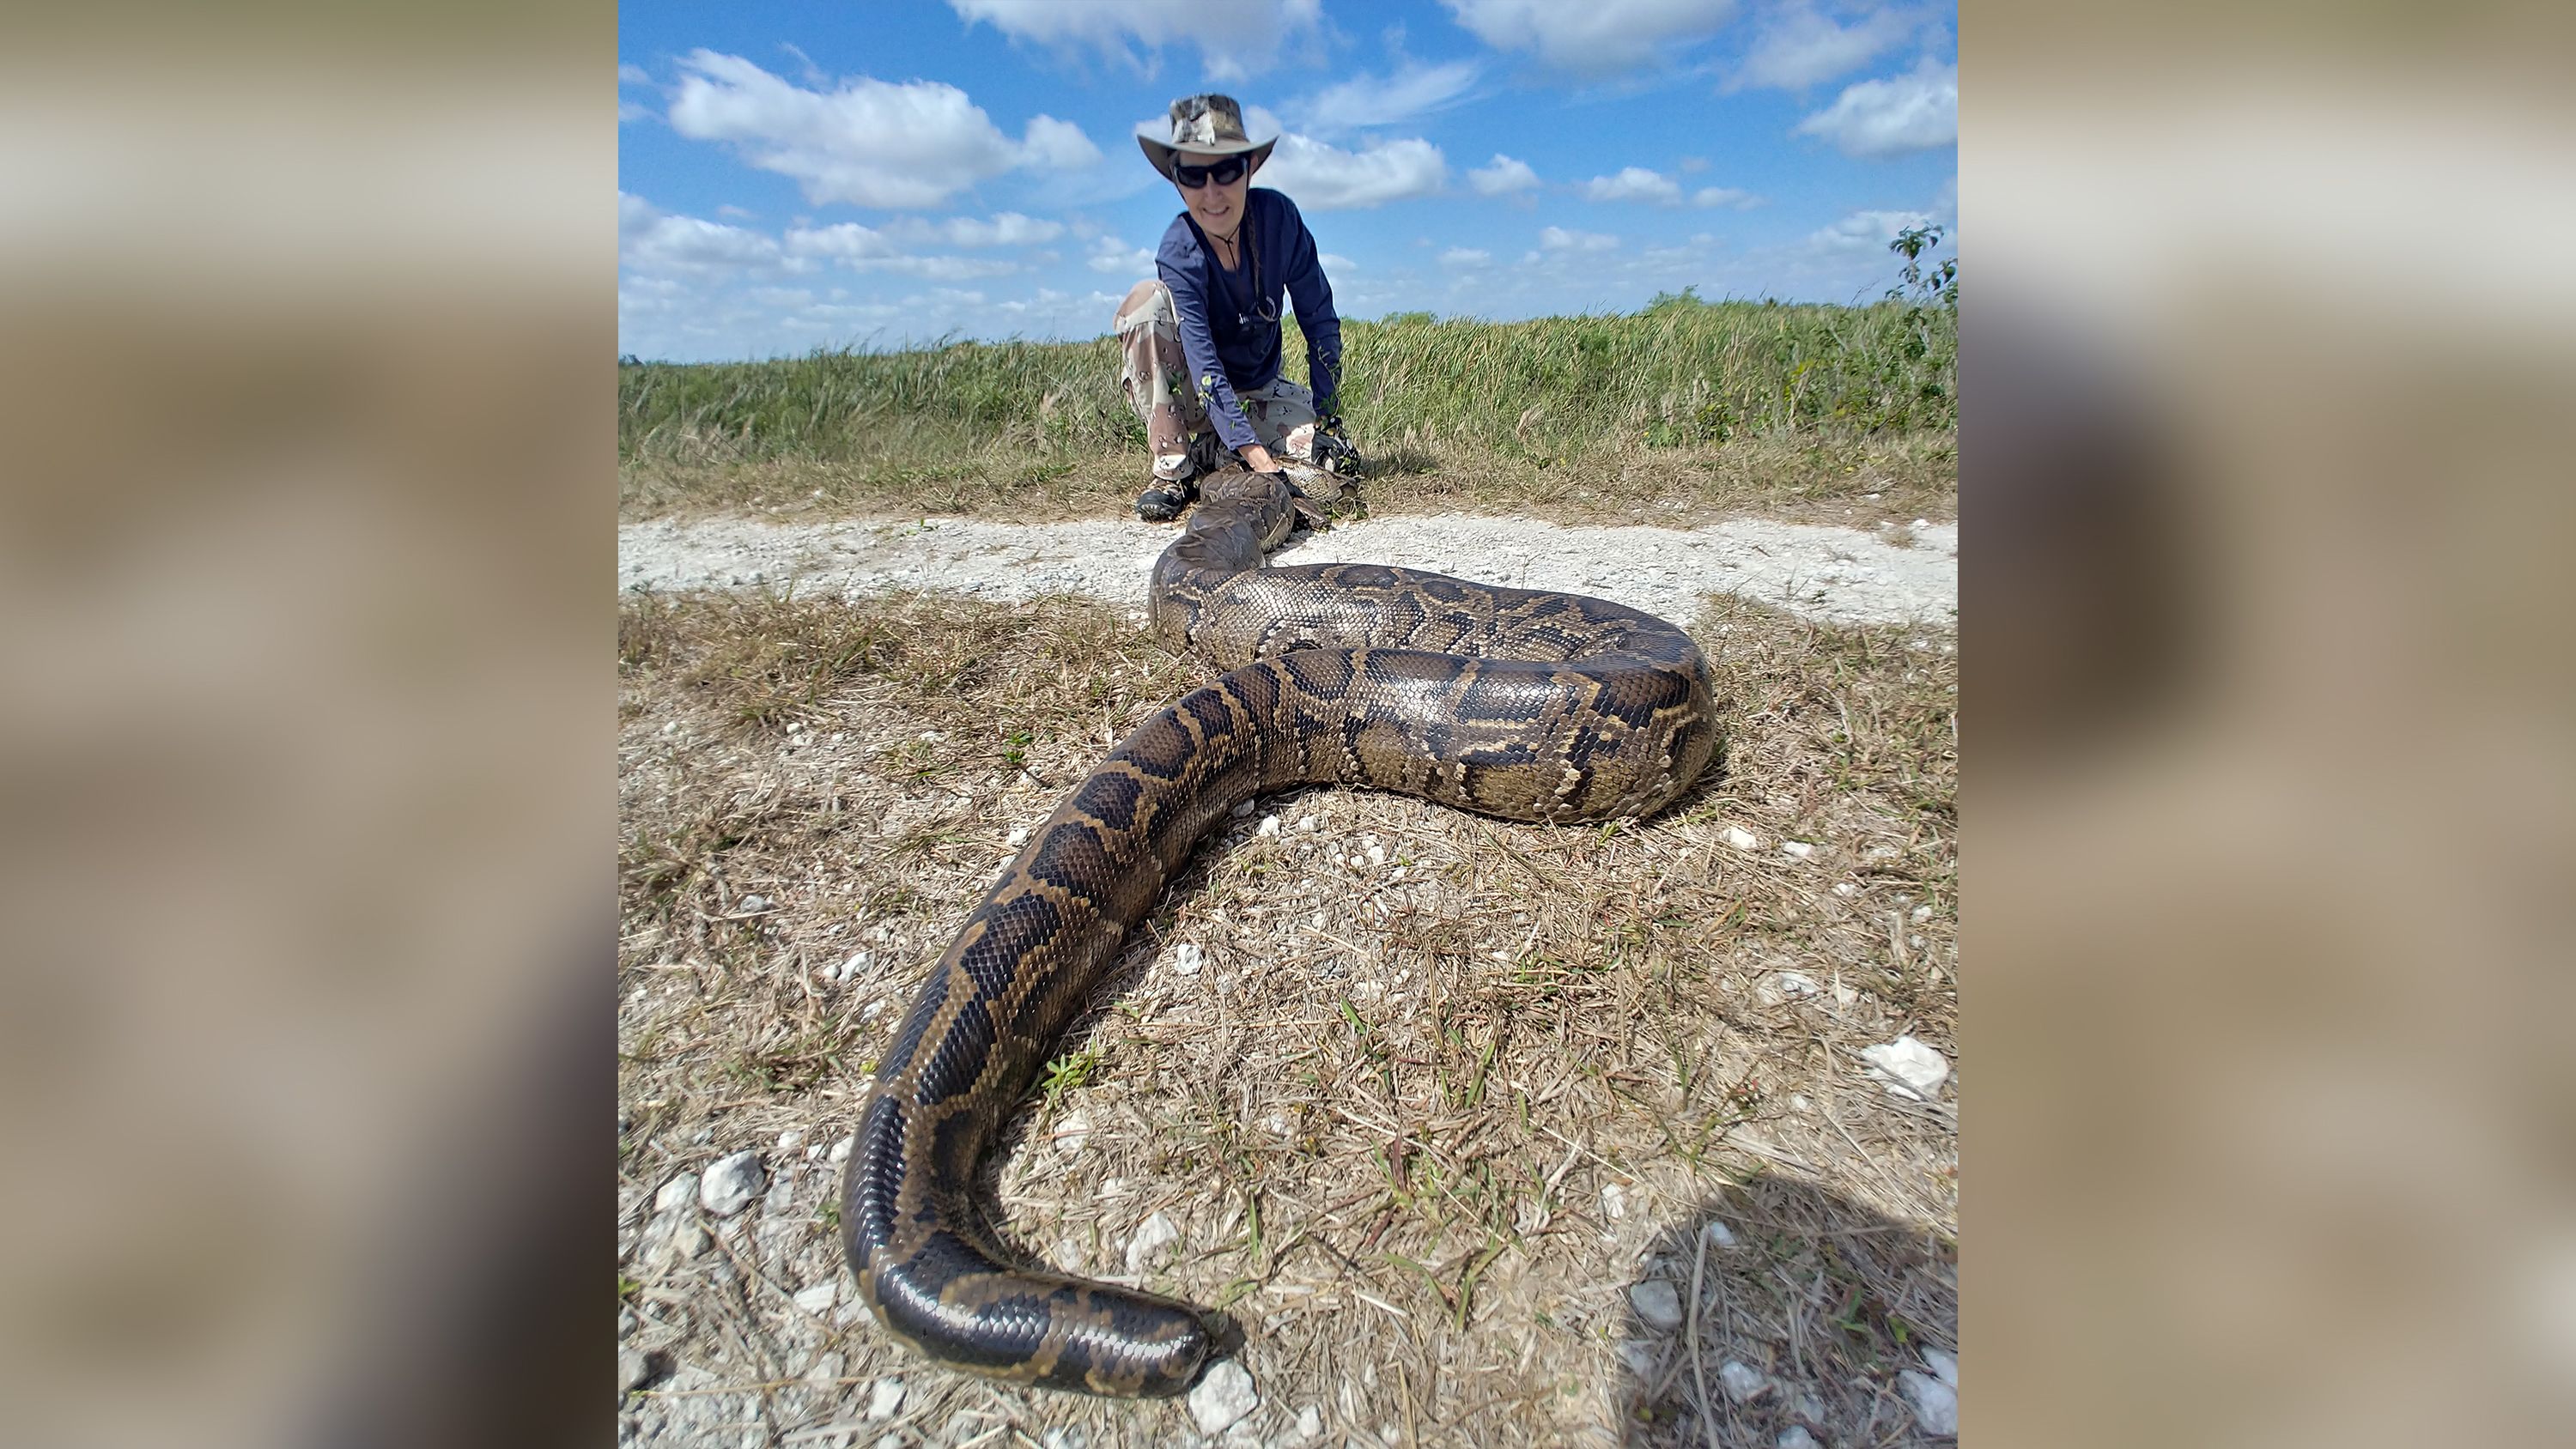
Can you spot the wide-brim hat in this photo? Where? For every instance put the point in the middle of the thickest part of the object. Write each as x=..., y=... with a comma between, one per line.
x=1207, y=125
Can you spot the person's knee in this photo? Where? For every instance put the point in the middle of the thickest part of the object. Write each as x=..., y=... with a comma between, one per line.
x=1147, y=302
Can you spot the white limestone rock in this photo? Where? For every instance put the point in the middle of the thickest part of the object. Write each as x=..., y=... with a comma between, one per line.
x=731, y=1184
x=1658, y=1306
x=1908, y=1068
x=1224, y=1395
x=1742, y=1381
x=676, y=1194
x=1154, y=1240
x=1935, y=1404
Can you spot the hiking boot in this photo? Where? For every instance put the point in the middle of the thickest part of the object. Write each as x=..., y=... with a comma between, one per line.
x=1166, y=499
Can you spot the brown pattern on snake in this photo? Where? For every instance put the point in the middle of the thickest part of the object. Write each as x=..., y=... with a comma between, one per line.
x=1527, y=705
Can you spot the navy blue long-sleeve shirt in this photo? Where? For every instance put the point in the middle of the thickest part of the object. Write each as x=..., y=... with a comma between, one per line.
x=1223, y=335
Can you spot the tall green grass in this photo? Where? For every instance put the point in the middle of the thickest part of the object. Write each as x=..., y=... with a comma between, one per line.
x=1683, y=372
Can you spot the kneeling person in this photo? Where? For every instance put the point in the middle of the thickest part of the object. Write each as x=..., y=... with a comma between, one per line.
x=1202, y=340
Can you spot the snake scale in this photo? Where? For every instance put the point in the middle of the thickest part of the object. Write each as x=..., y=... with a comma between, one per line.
x=1517, y=703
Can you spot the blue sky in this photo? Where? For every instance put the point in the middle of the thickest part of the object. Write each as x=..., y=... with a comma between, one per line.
x=802, y=176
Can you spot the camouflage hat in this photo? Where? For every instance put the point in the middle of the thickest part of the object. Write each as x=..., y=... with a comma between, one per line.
x=1206, y=125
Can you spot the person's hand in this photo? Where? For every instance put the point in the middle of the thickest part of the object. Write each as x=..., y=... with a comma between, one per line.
x=1257, y=458
x=1333, y=450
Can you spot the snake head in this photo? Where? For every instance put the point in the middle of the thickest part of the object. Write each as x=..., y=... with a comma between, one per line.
x=1309, y=488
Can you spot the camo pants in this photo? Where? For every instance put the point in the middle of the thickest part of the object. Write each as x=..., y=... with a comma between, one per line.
x=1157, y=378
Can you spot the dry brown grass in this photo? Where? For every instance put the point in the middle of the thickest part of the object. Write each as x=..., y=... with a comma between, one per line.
x=1854, y=481
x=1425, y=1116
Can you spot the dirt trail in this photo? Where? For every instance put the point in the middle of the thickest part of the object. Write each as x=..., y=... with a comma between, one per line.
x=1820, y=572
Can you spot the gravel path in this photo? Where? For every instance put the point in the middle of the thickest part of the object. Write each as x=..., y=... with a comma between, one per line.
x=1830, y=574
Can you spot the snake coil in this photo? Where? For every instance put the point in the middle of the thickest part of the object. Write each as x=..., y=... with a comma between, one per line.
x=1522, y=704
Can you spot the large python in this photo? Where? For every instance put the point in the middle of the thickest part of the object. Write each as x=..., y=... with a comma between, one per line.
x=1522, y=704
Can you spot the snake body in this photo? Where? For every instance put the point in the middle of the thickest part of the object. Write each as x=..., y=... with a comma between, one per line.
x=1522, y=704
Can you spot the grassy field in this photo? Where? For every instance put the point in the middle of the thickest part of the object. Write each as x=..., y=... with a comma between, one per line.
x=1445, y=1118
x=1688, y=407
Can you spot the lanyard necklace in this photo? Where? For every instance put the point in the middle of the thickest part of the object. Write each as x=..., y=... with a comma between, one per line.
x=1263, y=308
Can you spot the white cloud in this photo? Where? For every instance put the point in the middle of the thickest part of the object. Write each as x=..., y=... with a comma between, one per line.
x=1465, y=257
x=847, y=242
x=1008, y=229
x=1366, y=100
x=1059, y=144
x=1864, y=233
x=1109, y=254
x=659, y=245
x=1595, y=36
x=940, y=269
x=1634, y=183
x=1558, y=239
x=1335, y=265
x=869, y=143
x=1504, y=176
x=688, y=244
x=1233, y=38
x=645, y=297
x=1910, y=112
x=1727, y=196
x=1798, y=46
x=866, y=249
x=1048, y=301
x=1326, y=178
x=628, y=111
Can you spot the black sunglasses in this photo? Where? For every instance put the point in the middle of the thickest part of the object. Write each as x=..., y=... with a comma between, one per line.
x=1224, y=173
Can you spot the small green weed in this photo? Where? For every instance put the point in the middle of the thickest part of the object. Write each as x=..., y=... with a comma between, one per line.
x=1069, y=1072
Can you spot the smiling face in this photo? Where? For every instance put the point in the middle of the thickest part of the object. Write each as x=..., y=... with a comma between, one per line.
x=1218, y=206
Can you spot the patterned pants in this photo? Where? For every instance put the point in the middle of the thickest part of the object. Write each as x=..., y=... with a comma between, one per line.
x=1157, y=379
